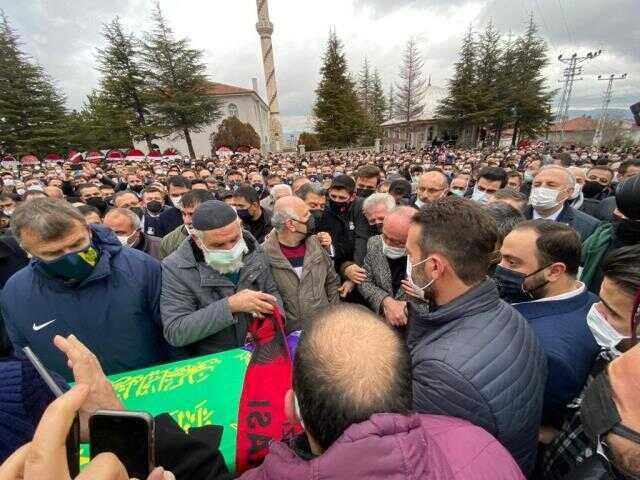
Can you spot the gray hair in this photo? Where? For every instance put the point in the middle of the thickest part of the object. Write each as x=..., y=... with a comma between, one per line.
x=571, y=180
x=377, y=199
x=283, y=187
x=48, y=218
x=125, y=212
x=307, y=188
x=281, y=216
x=122, y=193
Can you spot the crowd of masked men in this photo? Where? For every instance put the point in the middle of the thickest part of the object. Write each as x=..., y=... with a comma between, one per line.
x=465, y=314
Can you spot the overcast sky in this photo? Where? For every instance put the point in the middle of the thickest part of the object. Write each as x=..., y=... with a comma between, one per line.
x=63, y=36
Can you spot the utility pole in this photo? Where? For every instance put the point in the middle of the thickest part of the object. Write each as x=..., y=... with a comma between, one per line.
x=606, y=100
x=573, y=70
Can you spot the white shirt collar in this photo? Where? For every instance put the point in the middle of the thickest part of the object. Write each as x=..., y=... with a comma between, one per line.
x=553, y=216
x=564, y=296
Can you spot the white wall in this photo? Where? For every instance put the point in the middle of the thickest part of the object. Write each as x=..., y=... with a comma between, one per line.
x=250, y=110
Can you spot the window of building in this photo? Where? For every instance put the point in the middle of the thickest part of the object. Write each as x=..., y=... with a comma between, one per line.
x=233, y=110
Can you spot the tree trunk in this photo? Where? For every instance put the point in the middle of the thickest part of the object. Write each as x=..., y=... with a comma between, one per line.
x=147, y=137
x=514, y=138
x=187, y=137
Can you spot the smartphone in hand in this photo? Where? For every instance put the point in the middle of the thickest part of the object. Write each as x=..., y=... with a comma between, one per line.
x=130, y=436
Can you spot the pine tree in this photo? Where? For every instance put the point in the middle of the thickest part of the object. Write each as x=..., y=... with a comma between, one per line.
x=391, y=101
x=488, y=96
x=337, y=111
x=100, y=124
x=378, y=104
x=123, y=78
x=532, y=100
x=411, y=89
x=179, y=100
x=364, y=88
x=458, y=108
x=32, y=111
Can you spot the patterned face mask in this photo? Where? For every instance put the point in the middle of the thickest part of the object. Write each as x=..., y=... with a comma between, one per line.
x=72, y=266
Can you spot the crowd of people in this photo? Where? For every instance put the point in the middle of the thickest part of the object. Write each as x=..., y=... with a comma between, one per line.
x=465, y=313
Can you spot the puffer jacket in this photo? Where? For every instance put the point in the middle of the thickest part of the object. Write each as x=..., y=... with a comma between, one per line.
x=316, y=288
x=171, y=241
x=395, y=447
x=477, y=358
x=194, y=302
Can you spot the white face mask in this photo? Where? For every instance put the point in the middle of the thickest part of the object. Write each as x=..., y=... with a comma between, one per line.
x=419, y=203
x=418, y=289
x=457, y=192
x=9, y=182
x=177, y=201
x=226, y=261
x=544, y=198
x=393, y=252
x=8, y=211
x=576, y=191
x=528, y=176
x=606, y=336
x=124, y=239
x=479, y=196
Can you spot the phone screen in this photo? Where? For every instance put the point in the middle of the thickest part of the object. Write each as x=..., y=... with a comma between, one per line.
x=130, y=438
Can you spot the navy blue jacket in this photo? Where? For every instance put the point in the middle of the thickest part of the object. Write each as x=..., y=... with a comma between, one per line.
x=168, y=221
x=581, y=222
x=561, y=326
x=115, y=312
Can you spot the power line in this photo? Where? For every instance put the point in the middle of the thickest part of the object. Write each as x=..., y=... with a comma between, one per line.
x=564, y=20
x=606, y=100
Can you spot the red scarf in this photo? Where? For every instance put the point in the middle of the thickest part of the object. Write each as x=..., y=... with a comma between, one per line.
x=261, y=417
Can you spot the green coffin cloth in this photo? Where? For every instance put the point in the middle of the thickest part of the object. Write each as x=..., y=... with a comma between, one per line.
x=195, y=392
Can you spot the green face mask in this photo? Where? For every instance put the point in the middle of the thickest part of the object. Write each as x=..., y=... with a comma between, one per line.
x=72, y=266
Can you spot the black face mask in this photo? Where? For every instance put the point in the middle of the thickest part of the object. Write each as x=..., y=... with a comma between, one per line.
x=137, y=188
x=154, y=206
x=98, y=203
x=376, y=228
x=138, y=211
x=592, y=189
x=313, y=179
x=600, y=416
x=365, y=192
x=511, y=285
x=626, y=230
x=317, y=214
x=339, y=208
x=311, y=226
x=259, y=188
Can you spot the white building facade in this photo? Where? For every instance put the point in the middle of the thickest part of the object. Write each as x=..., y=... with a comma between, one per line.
x=243, y=103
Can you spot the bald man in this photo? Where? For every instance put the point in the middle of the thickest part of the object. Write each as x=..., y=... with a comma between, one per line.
x=386, y=266
x=550, y=197
x=352, y=392
x=127, y=227
x=53, y=192
x=432, y=186
x=301, y=267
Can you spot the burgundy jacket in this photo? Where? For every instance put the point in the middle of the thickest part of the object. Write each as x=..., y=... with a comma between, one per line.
x=396, y=447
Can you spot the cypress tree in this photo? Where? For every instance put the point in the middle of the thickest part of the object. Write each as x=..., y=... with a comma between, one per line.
x=337, y=111
x=32, y=111
x=378, y=105
x=123, y=78
x=412, y=87
x=179, y=98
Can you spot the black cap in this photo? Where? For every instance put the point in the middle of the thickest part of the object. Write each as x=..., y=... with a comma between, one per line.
x=345, y=182
x=213, y=214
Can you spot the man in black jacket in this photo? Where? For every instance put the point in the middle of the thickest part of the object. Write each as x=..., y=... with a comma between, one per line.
x=550, y=197
x=171, y=218
x=473, y=355
x=255, y=218
x=344, y=221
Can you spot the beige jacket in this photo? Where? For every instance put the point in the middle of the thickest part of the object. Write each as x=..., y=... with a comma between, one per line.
x=316, y=288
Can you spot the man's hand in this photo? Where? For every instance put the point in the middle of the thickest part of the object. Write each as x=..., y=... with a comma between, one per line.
x=346, y=288
x=410, y=290
x=356, y=273
x=46, y=456
x=325, y=240
x=395, y=311
x=88, y=371
x=251, y=301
